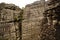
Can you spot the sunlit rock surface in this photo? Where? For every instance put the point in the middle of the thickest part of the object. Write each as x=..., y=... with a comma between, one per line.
x=31, y=25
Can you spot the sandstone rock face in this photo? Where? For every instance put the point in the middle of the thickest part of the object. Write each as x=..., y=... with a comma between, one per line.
x=33, y=15
x=9, y=29
x=41, y=21
x=50, y=29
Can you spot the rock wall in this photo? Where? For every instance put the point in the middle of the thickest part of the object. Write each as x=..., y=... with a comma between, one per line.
x=50, y=29
x=39, y=21
x=33, y=15
x=9, y=14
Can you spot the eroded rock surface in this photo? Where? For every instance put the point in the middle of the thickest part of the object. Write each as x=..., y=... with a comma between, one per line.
x=9, y=27
x=41, y=21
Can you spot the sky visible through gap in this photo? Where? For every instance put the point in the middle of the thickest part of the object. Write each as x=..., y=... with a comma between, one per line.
x=20, y=3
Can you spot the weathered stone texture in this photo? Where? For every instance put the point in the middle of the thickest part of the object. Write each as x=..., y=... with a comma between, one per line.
x=33, y=15
x=50, y=28
x=9, y=13
x=38, y=23
x=41, y=21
